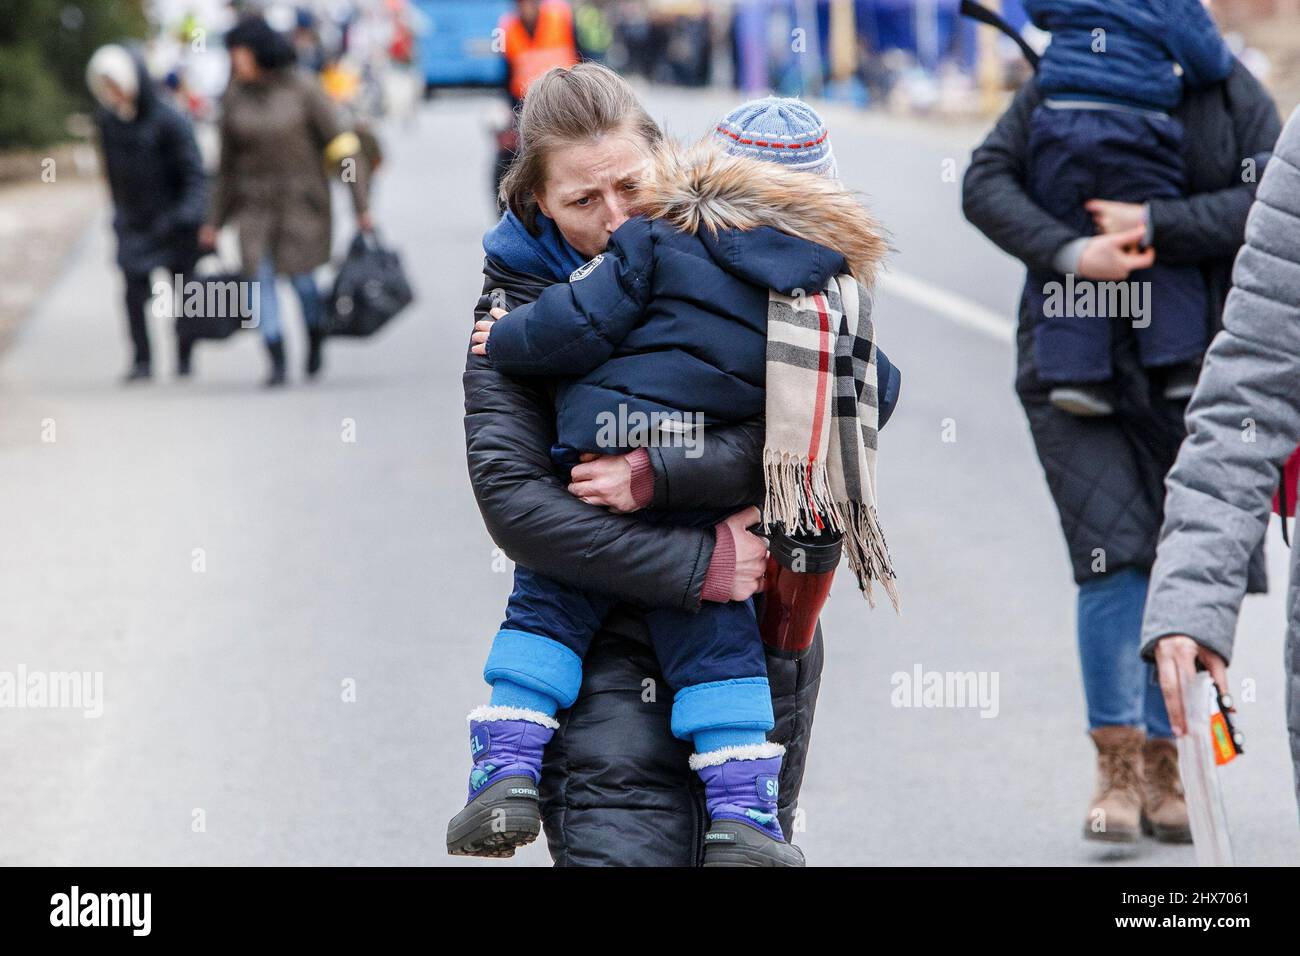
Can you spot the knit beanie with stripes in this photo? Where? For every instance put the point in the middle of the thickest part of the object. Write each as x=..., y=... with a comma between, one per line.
x=779, y=130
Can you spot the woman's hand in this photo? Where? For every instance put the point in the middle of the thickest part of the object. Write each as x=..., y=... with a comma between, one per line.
x=207, y=237
x=1176, y=657
x=604, y=480
x=1113, y=256
x=1111, y=216
x=482, y=330
x=751, y=554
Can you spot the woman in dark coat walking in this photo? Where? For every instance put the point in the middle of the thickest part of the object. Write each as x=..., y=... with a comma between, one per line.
x=157, y=184
x=616, y=785
x=279, y=136
x=1106, y=475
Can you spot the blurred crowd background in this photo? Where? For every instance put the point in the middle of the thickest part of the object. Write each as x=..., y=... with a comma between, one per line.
x=905, y=55
x=428, y=88
x=379, y=59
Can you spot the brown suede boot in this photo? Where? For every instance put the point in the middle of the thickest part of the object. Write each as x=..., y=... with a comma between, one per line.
x=1117, y=805
x=1164, y=810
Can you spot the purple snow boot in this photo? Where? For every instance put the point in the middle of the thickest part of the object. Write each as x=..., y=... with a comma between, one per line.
x=502, y=812
x=740, y=787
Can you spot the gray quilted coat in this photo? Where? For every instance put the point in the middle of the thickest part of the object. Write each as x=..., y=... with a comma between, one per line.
x=1242, y=423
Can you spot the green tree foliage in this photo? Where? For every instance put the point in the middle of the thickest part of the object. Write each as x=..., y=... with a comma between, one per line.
x=44, y=46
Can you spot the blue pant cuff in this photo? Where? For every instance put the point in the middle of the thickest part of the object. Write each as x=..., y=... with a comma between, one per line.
x=536, y=663
x=741, y=704
x=506, y=693
x=707, y=741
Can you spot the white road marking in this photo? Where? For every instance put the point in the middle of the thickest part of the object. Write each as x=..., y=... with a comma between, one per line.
x=958, y=308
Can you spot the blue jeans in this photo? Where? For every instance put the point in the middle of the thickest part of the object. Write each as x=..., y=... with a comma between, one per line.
x=1120, y=687
x=268, y=310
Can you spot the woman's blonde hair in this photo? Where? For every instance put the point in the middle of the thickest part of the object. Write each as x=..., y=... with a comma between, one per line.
x=563, y=107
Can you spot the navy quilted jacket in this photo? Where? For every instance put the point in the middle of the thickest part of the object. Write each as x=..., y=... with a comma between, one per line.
x=664, y=322
x=1143, y=39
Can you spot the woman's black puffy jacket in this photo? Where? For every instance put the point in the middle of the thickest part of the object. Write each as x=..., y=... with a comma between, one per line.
x=616, y=789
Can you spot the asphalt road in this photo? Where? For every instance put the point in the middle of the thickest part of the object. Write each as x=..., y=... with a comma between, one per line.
x=291, y=625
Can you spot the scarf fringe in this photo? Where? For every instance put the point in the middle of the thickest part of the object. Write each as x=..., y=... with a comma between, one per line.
x=788, y=501
x=797, y=493
x=868, y=554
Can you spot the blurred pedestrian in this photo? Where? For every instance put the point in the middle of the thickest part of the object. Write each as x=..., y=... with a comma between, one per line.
x=306, y=41
x=1106, y=475
x=538, y=36
x=156, y=179
x=594, y=32
x=279, y=135
x=1221, y=487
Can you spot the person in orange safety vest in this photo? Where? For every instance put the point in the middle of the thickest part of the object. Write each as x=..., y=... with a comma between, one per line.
x=538, y=36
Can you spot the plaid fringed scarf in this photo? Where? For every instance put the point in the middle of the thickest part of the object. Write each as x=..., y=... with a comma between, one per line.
x=819, y=462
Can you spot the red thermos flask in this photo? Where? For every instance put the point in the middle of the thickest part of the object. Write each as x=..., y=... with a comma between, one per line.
x=799, y=572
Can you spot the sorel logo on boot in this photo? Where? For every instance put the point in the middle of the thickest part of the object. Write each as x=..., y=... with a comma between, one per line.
x=523, y=791
x=478, y=744
x=767, y=786
x=719, y=836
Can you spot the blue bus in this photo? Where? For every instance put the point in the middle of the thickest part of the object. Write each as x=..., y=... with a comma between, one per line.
x=456, y=42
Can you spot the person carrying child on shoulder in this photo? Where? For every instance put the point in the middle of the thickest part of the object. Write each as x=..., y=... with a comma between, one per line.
x=1103, y=136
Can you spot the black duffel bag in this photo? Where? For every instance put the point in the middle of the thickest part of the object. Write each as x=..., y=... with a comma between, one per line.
x=370, y=289
x=212, y=306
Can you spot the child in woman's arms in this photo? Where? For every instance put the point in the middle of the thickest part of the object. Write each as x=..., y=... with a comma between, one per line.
x=669, y=325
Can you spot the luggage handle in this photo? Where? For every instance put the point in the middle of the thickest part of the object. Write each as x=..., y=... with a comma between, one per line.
x=368, y=240
x=222, y=267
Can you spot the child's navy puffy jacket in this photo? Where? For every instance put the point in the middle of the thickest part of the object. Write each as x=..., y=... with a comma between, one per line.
x=1143, y=40
x=664, y=321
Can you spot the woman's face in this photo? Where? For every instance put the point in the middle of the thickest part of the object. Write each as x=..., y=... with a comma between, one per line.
x=118, y=100
x=590, y=188
x=243, y=65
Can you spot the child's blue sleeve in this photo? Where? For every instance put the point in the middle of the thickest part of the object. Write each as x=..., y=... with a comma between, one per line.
x=1195, y=43
x=576, y=325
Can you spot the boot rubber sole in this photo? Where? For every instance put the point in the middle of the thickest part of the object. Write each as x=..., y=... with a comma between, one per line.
x=1163, y=834
x=1110, y=836
x=498, y=821
x=731, y=843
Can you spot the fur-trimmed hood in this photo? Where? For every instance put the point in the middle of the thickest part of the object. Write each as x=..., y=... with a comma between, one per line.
x=701, y=188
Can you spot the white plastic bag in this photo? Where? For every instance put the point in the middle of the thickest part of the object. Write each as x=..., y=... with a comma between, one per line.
x=1205, y=809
